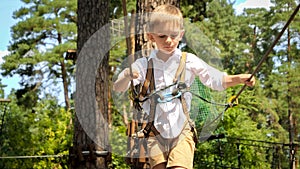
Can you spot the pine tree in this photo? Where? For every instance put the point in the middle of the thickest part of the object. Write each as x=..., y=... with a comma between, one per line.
x=44, y=32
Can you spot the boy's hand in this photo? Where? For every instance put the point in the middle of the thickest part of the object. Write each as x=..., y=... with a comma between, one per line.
x=245, y=79
x=232, y=80
x=122, y=83
x=134, y=75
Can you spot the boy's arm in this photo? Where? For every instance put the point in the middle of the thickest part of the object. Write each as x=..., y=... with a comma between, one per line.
x=233, y=80
x=122, y=83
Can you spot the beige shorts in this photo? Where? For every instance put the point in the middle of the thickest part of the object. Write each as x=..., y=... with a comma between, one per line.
x=180, y=151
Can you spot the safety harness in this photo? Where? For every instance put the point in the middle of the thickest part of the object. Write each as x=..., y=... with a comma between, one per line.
x=148, y=88
x=137, y=130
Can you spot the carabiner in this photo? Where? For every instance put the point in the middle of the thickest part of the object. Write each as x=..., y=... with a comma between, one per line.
x=168, y=97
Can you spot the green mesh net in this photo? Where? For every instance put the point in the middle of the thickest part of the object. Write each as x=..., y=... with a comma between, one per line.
x=206, y=115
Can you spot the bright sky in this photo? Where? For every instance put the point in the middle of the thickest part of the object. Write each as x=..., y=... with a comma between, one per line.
x=7, y=8
x=241, y=4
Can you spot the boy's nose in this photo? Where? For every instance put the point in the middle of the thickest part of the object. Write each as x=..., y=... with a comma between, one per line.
x=169, y=39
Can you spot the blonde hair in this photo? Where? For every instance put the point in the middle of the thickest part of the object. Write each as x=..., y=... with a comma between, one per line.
x=165, y=14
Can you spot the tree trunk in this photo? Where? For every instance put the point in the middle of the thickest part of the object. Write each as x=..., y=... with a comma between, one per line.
x=290, y=103
x=65, y=84
x=90, y=143
x=64, y=77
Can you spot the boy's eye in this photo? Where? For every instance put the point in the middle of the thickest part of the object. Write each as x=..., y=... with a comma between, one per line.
x=173, y=36
x=162, y=36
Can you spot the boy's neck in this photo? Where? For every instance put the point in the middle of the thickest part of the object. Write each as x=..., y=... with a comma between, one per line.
x=163, y=56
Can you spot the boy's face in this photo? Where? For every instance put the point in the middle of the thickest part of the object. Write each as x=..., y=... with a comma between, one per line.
x=167, y=37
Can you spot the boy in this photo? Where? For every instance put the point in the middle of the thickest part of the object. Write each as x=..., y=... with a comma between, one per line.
x=166, y=30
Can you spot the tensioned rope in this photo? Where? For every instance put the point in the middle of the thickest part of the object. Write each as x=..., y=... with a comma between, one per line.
x=37, y=156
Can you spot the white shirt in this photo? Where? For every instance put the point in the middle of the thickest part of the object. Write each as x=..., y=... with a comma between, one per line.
x=169, y=117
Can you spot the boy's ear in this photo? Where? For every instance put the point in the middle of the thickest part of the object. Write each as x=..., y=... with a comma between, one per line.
x=181, y=34
x=150, y=37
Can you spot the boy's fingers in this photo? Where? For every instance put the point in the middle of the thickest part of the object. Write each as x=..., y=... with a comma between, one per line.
x=250, y=82
x=132, y=75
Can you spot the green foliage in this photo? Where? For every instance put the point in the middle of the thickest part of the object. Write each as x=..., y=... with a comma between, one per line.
x=118, y=141
x=195, y=10
x=24, y=95
x=46, y=131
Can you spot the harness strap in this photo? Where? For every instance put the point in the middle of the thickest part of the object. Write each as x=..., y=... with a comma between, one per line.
x=182, y=85
x=149, y=82
x=148, y=79
x=180, y=68
x=154, y=98
x=187, y=115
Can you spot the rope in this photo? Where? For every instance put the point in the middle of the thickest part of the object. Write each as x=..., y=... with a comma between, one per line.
x=211, y=102
x=37, y=156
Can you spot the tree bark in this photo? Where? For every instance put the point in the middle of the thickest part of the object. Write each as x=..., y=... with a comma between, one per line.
x=64, y=77
x=90, y=143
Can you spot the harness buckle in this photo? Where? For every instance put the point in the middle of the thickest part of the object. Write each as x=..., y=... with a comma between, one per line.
x=233, y=101
x=181, y=85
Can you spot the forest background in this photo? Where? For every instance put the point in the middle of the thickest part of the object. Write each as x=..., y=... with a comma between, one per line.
x=260, y=132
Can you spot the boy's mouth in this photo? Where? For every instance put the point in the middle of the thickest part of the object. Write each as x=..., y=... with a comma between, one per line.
x=168, y=47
